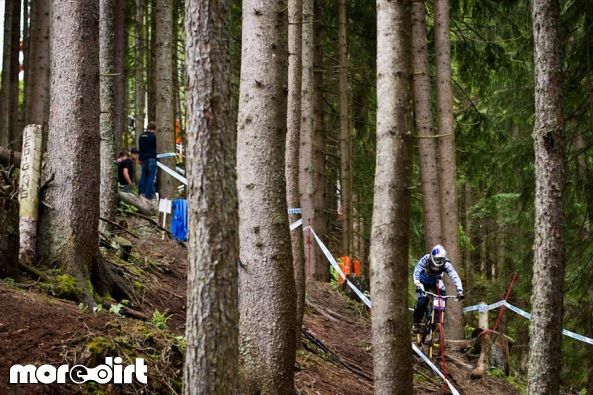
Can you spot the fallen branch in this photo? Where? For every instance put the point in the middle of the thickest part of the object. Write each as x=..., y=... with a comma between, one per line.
x=128, y=312
x=119, y=227
x=156, y=225
x=459, y=362
x=353, y=368
x=320, y=311
x=145, y=206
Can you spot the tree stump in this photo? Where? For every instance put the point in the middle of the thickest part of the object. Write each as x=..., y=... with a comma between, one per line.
x=494, y=353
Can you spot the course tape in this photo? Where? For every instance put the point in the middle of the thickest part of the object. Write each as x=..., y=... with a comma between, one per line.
x=433, y=367
x=166, y=155
x=334, y=264
x=483, y=307
x=172, y=173
x=522, y=313
x=296, y=224
x=295, y=211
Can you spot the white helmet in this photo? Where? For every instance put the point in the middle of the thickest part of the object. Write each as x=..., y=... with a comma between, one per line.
x=438, y=257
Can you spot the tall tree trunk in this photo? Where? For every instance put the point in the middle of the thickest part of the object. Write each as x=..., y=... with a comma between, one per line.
x=120, y=55
x=267, y=304
x=15, y=44
x=345, y=139
x=175, y=67
x=467, y=226
x=320, y=183
x=427, y=143
x=549, y=248
x=108, y=189
x=140, y=87
x=4, y=88
x=212, y=356
x=447, y=187
x=391, y=207
x=139, y=71
x=37, y=102
x=26, y=54
x=164, y=99
x=151, y=64
x=69, y=230
x=293, y=130
x=10, y=71
x=306, y=169
x=590, y=334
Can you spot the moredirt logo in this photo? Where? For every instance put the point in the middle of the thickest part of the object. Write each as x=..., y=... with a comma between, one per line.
x=110, y=372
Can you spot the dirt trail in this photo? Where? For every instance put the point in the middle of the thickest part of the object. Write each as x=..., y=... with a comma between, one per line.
x=38, y=329
x=344, y=326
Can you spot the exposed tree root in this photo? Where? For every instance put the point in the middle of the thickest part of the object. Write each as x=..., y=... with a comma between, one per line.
x=108, y=278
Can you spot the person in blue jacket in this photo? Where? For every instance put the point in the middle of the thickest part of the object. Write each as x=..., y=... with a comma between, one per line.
x=428, y=276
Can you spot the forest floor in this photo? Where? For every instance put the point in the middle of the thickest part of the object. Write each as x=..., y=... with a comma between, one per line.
x=39, y=328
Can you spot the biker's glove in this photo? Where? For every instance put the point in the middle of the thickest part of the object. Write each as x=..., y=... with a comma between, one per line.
x=460, y=295
x=419, y=287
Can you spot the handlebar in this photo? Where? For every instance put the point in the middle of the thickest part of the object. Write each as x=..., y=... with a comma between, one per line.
x=439, y=296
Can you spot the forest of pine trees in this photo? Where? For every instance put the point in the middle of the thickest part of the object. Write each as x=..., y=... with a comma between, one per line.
x=297, y=140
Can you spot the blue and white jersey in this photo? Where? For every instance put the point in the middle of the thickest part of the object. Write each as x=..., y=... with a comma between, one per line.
x=428, y=277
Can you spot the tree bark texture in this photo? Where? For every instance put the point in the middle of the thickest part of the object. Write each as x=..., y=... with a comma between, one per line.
x=108, y=189
x=448, y=168
x=69, y=229
x=212, y=355
x=345, y=138
x=267, y=303
x=164, y=99
x=549, y=248
x=320, y=187
x=293, y=129
x=151, y=64
x=139, y=70
x=37, y=88
x=427, y=143
x=119, y=49
x=10, y=75
x=306, y=152
x=140, y=54
x=391, y=207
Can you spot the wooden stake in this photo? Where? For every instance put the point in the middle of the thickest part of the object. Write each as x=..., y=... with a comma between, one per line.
x=29, y=192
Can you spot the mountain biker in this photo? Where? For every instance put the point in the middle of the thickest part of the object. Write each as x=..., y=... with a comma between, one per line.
x=428, y=275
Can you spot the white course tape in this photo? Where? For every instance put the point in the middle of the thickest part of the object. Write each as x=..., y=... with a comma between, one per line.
x=172, y=173
x=576, y=336
x=296, y=224
x=517, y=310
x=483, y=307
x=166, y=155
x=565, y=332
x=335, y=265
x=434, y=368
x=522, y=313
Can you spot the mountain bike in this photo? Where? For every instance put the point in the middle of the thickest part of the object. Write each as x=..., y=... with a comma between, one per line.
x=432, y=331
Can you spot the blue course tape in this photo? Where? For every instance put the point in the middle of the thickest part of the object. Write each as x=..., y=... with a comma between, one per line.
x=295, y=211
